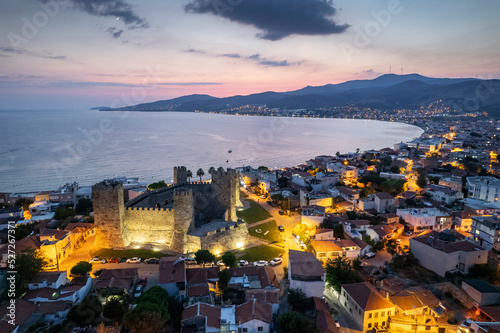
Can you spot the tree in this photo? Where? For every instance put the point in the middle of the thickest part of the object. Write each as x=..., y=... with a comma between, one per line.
x=81, y=269
x=211, y=170
x=189, y=175
x=114, y=309
x=220, y=169
x=84, y=207
x=356, y=263
x=282, y=182
x=23, y=230
x=63, y=212
x=200, y=173
x=297, y=299
x=338, y=231
x=229, y=259
x=157, y=185
x=86, y=312
x=28, y=263
x=395, y=169
x=421, y=180
x=158, y=296
x=204, y=256
x=391, y=247
x=224, y=278
x=340, y=271
x=294, y=322
x=263, y=168
x=24, y=202
x=144, y=318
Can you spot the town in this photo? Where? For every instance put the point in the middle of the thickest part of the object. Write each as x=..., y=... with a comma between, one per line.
x=400, y=239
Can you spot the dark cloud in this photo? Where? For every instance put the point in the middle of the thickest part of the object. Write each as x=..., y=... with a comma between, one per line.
x=117, y=9
x=368, y=71
x=33, y=54
x=115, y=32
x=274, y=63
x=276, y=19
x=194, y=51
x=68, y=84
x=230, y=55
x=254, y=56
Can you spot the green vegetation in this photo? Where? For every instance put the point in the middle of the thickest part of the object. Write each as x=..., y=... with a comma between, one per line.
x=158, y=296
x=63, y=212
x=23, y=202
x=340, y=271
x=294, y=322
x=200, y=173
x=28, y=264
x=338, y=231
x=224, y=278
x=145, y=318
x=253, y=214
x=298, y=300
x=157, y=185
x=23, y=230
x=229, y=259
x=204, y=256
x=81, y=269
x=267, y=231
x=114, y=309
x=85, y=313
x=141, y=253
x=262, y=252
x=84, y=207
x=393, y=186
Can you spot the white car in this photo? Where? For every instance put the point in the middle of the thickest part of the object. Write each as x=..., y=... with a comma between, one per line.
x=275, y=261
x=369, y=255
x=409, y=233
x=96, y=260
x=243, y=263
x=220, y=263
x=138, y=291
x=188, y=260
x=133, y=260
x=260, y=263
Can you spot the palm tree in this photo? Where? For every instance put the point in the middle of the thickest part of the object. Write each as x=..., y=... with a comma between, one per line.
x=200, y=173
x=189, y=175
x=220, y=169
x=212, y=169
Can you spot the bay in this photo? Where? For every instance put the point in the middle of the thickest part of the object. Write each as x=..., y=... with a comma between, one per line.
x=42, y=150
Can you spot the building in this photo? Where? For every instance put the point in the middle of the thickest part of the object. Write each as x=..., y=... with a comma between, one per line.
x=384, y=202
x=384, y=231
x=366, y=305
x=481, y=291
x=324, y=320
x=441, y=252
x=443, y=194
x=254, y=316
x=305, y=272
x=426, y=218
x=182, y=217
x=326, y=249
x=172, y=276
x=485, y=231
x=484, y=188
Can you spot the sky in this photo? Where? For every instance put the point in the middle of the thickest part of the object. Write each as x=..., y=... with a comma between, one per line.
x=60, y=54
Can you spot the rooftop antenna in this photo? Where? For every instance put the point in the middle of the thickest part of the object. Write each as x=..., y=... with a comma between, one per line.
x=390, y=70
x=401, y=71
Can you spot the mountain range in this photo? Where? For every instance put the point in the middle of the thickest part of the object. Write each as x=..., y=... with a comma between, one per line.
x=386, y=92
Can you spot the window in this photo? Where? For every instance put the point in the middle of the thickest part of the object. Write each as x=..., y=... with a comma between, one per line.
x=427, y=328
x=369, y=325
x=388, y=313
x=383, y=323
x=376, y=314
x=369, y=315
x=260, y=329
x=244, y=330
x=359, y=311
x=382, y=314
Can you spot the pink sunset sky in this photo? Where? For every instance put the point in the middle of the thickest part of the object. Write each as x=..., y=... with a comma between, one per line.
x=86, y=53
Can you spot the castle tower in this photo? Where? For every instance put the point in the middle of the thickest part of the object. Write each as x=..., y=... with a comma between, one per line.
x=108, y=214
x=226, y=185
x=180, y=175
x=183, y=218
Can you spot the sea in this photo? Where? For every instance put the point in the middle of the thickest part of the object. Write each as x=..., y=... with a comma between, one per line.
x=43, y=150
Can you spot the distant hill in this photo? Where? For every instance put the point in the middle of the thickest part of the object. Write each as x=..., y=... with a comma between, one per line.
x=388, y=91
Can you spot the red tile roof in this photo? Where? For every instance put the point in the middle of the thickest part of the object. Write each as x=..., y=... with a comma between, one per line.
x=366, y=296
x=324, y=320
x=24, y=310
x=266, y=295
x=198, y=290
x=171, y=270
x=49, y=277
x=211, y=314
x=254, y=309
x=304, y=264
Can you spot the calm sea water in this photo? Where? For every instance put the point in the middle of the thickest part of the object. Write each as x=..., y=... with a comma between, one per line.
x=42, y=150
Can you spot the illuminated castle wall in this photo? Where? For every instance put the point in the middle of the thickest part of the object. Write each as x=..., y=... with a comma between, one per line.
x=181, y=217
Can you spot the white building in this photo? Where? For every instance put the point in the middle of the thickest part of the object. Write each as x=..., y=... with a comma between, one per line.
x=305, y=272
x=485, y=231
x=484, y=188
x=425, y=218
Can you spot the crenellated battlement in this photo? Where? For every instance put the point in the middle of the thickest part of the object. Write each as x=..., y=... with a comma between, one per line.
x=149, y=209
x=183, y=192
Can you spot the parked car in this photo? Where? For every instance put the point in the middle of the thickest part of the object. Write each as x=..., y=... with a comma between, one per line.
x=152, y=261
x=133, y=260
x=398, y=241
x=364, y=263
x=370, y=255
x=262, y=197
x=281, y=212
x=281, y=228
x=188, y=260
x=96, y=260
x=138, y=290
x=144, y=281
x=220, y=263
x=115, y=260
x=243, y=263
x=260, y=263
x=275, y=261
x=409, y=233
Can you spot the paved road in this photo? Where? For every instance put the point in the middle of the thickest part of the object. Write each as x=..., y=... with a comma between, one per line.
x=344, y=318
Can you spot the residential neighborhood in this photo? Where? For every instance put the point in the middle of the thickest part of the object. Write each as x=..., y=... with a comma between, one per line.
x=401, y=239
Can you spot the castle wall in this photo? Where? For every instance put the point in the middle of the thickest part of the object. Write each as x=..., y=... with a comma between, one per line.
x=225, y=240
x=224, y=184
x=148, y=226
x=180, y=175
x=183, y=218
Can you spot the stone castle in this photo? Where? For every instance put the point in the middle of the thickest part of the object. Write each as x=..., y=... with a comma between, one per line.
x=183, y=217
